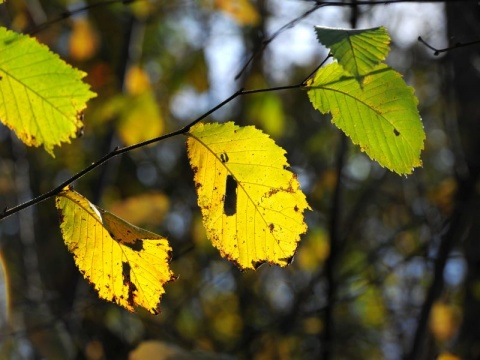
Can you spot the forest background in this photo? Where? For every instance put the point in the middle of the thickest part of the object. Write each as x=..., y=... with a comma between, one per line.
x=388, y=267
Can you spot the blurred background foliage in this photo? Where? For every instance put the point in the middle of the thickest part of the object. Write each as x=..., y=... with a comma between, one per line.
x=359, y=285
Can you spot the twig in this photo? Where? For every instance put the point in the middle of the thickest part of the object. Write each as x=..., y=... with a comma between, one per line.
x=437, y=52
x=117, y=151
x=272, y=37
x=66, y=14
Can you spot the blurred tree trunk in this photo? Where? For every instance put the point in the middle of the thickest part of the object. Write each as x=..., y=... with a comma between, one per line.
x=464, y=25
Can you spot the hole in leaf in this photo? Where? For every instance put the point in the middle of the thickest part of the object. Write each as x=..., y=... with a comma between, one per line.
x=230, y=202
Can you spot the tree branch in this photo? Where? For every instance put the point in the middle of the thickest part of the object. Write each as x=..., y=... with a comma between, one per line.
x=457, y=45
x=117, y=151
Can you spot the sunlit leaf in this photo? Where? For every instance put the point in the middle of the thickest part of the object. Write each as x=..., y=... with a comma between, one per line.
x=41, y=97
x=358, y=51
x=252, y=205
x=381, y=115
x=241, y=10
x=126, y=264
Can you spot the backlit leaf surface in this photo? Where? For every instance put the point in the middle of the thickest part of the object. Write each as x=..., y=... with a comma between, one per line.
x=358, y=51
x=126, y=264
x=41, y=97
x=252, y=205
x=380, y=115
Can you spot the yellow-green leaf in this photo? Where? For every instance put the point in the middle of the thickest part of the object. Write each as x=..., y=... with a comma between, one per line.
x=358, y=51
x=380, y=115
x=41, y=97
x=252, y=205
x=126, y=264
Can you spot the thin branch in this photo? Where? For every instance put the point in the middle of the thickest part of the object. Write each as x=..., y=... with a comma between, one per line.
x=458, y=45
x=7, y=212
x=272, y=37
x=66, y=14
x=117, y=151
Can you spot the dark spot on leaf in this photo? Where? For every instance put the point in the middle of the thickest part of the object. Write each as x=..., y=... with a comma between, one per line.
x=1, y=77
x=295, y=208
x=60, y=215
x=198, y=186
x=224, y=157
x=195, y=169
x=396, y=132
x=126, y=272
x=137, y=245
x=230, y=202
x=271, y=227
x=127, y=282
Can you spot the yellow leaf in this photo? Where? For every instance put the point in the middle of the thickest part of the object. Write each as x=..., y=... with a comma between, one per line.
x=241, y=10
x=252, y=205
x=83, y=41
x=126, y=264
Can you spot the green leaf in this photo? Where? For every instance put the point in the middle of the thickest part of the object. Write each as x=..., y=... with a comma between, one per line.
x=358, y=51
x=381, y=115
x=41, y=97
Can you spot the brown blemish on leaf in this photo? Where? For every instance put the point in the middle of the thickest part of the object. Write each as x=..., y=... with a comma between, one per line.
x=271, y=227
x=224, y=157
x=137, y=245
x=126, y=269
x=396, y=132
